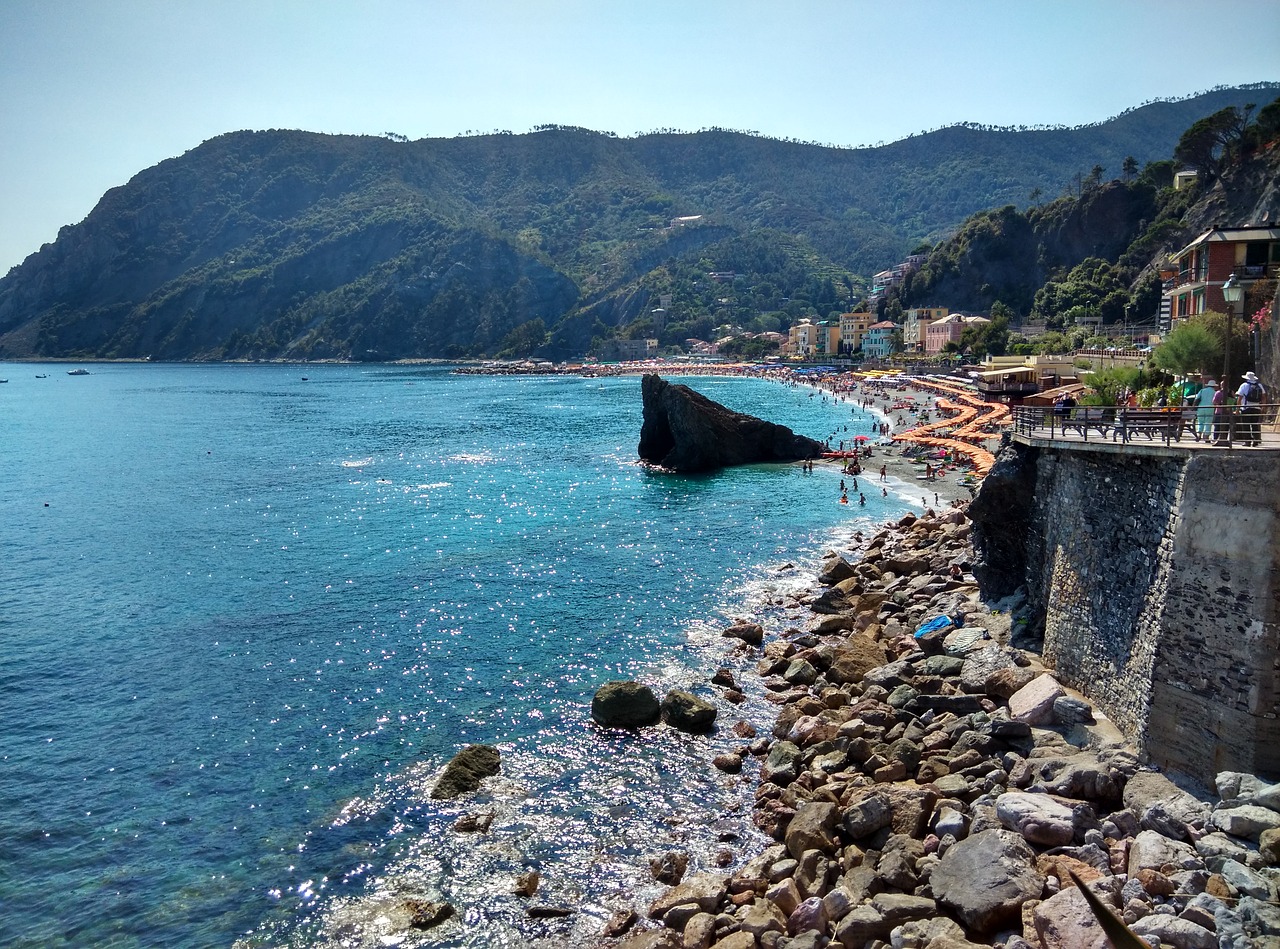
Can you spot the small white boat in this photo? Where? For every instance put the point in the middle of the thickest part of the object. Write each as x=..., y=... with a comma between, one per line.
x=77, y=372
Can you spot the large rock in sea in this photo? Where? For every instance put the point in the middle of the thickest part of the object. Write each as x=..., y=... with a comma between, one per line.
x=624, y=704
x=686, y=431
x=468, y=768
x=688, y=713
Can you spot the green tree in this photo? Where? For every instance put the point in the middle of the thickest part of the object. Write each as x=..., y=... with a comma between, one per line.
x=1129, y=169
x=1241, y=357
x=1191, y=347
x=1209, y=143
x=987, y=339
x=1052, y=343
x=1267, y=125
x=1109, y=384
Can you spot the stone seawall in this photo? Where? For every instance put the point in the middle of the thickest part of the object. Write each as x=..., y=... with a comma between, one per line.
x=1154, y=581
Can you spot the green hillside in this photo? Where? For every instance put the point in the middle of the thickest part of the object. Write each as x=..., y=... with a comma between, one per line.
x=288, y=244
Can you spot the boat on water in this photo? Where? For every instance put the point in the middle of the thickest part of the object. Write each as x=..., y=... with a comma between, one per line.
x=77, y=372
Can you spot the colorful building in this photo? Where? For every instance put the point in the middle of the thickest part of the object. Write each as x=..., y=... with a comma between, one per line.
x=879, y=342
x=1193, y=281
x=853, y=329
x=802, y=339
x=913, y=323
x=949, y=329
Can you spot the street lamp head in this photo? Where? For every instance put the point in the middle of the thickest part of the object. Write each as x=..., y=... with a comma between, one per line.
x=1232, y=292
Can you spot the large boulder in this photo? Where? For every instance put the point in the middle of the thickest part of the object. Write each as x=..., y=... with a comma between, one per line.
x=703, y=890
x=688, y=713
x=468, y=768
x=855, y=657
x=1178, y=933
x=1247, y=820
x=986, y=878
x=1033, y=703
x=903, y=807
x=1037, y=817
x=1078, y=775
x=1151, y=850
x=1247, y=789
x=987, y=668
x=1065, y=921
x=624, y=704
x=812, y=828
x=685, y=431
x=1162, y=806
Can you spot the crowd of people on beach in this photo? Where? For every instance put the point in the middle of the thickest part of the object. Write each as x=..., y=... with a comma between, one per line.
x=896, y=409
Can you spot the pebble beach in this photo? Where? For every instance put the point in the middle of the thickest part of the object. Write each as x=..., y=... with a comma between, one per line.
x=943, y=791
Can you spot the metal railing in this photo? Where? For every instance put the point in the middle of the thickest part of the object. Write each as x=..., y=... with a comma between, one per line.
x=1239, y=271
x=1223, y=426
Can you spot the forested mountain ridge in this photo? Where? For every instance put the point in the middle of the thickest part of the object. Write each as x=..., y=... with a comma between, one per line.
x=299, y=245
x=1098, y=252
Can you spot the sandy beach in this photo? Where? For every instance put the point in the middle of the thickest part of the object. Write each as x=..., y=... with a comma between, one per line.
x=921, y=482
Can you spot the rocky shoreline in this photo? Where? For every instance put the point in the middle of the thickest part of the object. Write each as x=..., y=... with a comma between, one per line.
x=937, y=789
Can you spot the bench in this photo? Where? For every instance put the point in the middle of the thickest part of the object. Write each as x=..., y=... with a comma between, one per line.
x=1083, y=420
x=1153, y=423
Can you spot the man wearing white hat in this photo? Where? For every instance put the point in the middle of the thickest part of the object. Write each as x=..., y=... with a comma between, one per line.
x=1250, y=398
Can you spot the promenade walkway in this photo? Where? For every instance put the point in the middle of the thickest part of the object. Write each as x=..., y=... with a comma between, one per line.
x=1119, y=428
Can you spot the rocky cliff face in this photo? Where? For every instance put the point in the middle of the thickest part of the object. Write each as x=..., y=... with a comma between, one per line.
x=686, y=431
x=1003, y=515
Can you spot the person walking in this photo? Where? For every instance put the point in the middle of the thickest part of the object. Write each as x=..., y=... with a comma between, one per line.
x=1204, y=410
x=1250, y=398
x=1221, y=418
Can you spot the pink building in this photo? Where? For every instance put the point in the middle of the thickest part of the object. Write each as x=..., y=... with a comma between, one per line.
x=949, y=329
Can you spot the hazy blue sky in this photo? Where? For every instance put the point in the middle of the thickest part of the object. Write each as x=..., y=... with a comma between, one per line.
x=93, y=91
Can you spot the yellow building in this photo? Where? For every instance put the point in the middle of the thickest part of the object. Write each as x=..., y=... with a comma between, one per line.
x=853, y=330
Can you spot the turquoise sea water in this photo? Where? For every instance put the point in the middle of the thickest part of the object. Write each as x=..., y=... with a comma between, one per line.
x=246, y=618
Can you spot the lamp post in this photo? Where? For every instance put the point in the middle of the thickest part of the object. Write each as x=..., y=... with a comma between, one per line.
x=1232, y=293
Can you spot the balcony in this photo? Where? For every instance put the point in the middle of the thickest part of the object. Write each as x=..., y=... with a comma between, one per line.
x=1184, y=277
x=1257, y=272
x=1248, y=272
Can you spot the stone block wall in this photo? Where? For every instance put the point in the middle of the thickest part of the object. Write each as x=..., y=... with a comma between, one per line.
x=1107, y=522
x=1157, y=571
x=1216, y=705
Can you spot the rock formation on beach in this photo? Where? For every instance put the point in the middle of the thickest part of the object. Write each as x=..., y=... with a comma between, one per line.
x=685, y=431
x=929, y=786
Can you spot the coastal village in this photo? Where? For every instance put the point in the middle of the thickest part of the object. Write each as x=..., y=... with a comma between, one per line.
x=968, y=750
x=994, y=664
x=963, y=755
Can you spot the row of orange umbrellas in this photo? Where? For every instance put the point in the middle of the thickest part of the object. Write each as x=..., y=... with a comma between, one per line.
x=972, y=419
